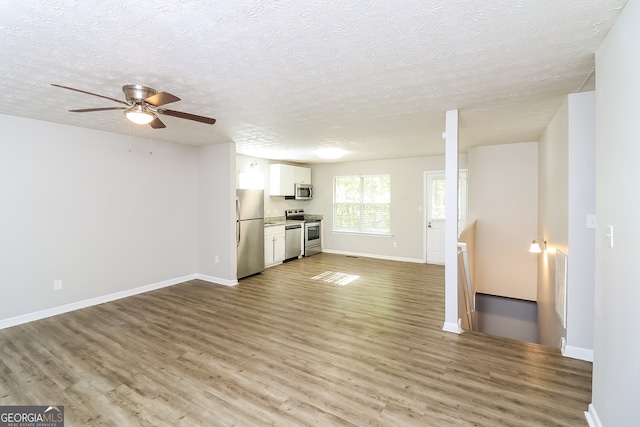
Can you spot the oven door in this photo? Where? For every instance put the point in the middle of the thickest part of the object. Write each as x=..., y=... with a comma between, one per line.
x=312, y=238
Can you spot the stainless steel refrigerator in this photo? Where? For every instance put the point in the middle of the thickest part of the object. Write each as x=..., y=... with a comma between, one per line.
x=250, y=231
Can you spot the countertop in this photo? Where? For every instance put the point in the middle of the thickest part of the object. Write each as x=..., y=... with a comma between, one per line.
x=271, y=223
x=280, y=220
x=274, y=220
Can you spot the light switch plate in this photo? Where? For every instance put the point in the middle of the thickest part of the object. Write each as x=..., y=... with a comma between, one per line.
x=591, y=221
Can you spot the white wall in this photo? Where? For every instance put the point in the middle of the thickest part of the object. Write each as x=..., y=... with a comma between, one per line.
x=553, y=196
x=216, y=213
x=582, y=202
x=503, y=181
x=566, y=195
x=616, y=368
x=407, y=176
x=79, y=206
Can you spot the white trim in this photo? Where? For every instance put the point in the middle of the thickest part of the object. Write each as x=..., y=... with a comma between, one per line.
x=361, y=233
x=359, y=254
x=560, y=283
x=452, y=327
x=578, y=353
x=592, y=417
x=49, y=312
x=216, y=280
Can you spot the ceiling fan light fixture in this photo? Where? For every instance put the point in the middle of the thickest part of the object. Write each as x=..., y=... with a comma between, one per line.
x=142, y=106
x=138, y=115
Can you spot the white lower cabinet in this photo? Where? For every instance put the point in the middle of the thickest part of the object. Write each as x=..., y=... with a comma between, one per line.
x=274, y=240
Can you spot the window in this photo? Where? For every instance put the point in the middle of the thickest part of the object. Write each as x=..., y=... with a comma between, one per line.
x=438, y=194
x=362, y=203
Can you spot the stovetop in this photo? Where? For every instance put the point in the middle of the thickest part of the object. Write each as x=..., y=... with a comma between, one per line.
x=298, y=215
x=294, y=214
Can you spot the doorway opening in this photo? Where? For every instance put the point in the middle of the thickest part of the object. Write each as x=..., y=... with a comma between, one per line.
x=507, y=317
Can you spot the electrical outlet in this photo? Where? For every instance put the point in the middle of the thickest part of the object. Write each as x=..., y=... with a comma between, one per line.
x=217, y=259
x=395, y=244
x=57, y=285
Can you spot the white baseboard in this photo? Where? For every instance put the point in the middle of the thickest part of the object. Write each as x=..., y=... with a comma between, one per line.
x=578, y=353
x=592, y=417
x=359, y=254
x=452, y=327
x=30, y=317
x=216, y=280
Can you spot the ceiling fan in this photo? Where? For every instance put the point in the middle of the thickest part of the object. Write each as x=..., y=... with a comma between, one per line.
x=142, y=106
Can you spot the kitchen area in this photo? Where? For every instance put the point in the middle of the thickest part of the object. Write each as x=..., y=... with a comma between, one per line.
x=272, y=226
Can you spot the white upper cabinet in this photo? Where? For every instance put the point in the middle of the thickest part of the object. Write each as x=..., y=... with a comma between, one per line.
x=283, y=177
x=281, y=180
x=301, y=175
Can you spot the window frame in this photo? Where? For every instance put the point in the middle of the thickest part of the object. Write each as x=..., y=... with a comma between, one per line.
x=362, y=207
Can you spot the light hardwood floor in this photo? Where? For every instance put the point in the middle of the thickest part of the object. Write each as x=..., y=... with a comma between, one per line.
x=282, y=349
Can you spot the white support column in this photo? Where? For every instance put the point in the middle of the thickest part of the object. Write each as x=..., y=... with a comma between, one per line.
x=451, y=317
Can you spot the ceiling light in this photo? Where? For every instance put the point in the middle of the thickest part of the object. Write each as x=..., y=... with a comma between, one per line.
x=330, y=153
x=138, y=115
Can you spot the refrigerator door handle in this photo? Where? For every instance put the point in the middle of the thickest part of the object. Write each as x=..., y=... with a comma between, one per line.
x=237, y=221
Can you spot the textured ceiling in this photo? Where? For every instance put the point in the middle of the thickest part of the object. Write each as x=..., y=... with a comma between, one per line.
x=285, y=78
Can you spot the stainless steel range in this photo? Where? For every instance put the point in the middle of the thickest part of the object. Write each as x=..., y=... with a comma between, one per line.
x=312, y=230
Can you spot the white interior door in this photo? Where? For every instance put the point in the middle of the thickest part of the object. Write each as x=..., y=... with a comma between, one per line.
x=435, y=215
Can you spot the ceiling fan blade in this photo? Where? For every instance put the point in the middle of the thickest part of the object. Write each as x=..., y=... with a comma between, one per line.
x=86, y=110
x=181, y=115
x=157, y=124
x=89, y=93
x=161, y=98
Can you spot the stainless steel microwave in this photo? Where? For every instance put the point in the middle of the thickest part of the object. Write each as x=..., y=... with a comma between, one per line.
x=302, y=192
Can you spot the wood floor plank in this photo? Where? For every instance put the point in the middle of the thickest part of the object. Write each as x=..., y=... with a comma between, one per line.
x=283, y=349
